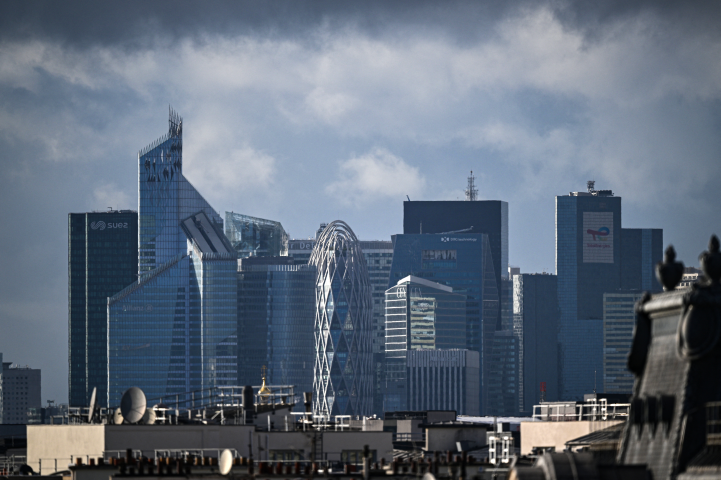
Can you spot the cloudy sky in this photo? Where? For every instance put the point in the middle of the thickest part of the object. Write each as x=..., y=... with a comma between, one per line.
x=307, y=112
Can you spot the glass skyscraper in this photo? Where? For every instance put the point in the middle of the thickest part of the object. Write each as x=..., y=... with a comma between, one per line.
x=535, y=319
x=102, y=259
x=342, y=376
x=462, y=261
x=594, y=255
x=255, y=237
x=588, y=263
x=379, y=257
x=276, y=312
x=174, y=330
x=420, y=314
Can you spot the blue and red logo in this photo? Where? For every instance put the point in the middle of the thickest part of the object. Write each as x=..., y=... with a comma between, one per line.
x=599, y=234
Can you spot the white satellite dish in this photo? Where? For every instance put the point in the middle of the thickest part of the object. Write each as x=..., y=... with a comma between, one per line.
x=91, y=409
x=149, y=416
x=133, y=404
x=118, y=417
x=428, y=476
x=225, y=462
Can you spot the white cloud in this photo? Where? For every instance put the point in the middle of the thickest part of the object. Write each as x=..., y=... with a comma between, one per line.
x=109, y=195
x=373, y=176
x=242, y=168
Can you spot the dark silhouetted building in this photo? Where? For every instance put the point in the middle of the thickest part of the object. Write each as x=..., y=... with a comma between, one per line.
x=535, y=316
x=102, y=260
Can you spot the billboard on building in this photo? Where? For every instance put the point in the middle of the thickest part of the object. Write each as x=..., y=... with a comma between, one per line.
x=597, y=237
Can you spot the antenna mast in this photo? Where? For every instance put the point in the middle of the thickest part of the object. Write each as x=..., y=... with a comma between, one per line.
x=471, y=191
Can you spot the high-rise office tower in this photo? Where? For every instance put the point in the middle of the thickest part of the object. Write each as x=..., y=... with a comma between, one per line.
x=174, y=330
x=641, y=249
x=102, y=260
x=501, y=381
x=379, y=257
x=619, y=321
x=342, y=376
x=19, y=394
x=594, y=255
x=462, y=261
x=276, y=312
x=488, y=216
x=255, y=237
x=535, y=319
x=588, y=264
x=443, y=380
x=420, y=314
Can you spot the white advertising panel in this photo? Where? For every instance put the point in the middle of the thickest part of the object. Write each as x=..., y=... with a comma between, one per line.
x=597, y=237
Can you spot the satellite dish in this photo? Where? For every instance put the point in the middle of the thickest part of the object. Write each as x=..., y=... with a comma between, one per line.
x=91, y=409
x=149, y=416
x=132, y=405
x=117, y=417
x=225, y=462
x=428, y=476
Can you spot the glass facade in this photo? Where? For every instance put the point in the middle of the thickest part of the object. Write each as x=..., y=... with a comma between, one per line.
x=641, y=249
x=379, y=257
x=503, y=376
x=255, y=237
x=175, y=329
x=420, y=314
x=443, y=380
x=165, y=197
x=536, y=313
x=463, y=262
x=619, y=321
x=276, y=311
x=102, y=259
x=588, y=264
x=342, y=376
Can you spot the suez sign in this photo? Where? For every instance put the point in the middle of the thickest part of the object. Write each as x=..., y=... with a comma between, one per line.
x=100, y=225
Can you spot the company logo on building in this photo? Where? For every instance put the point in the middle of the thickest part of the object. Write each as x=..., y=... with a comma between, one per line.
x=597, y=237
x=601, y=234
x=100, y=225
x=455, y=239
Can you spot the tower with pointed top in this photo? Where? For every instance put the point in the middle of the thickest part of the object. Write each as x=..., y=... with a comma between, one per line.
x=342, y=375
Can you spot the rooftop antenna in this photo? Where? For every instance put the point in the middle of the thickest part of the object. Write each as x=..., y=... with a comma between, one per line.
x=471, y=191
x=409, y=198
x=591, y=186
x=543, y=392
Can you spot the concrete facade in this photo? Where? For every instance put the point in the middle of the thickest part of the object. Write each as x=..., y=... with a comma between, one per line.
x=20, y=401
x=48, y=444
x=556, y=434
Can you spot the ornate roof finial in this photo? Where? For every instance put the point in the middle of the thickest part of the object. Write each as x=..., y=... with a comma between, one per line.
x=710, y=260
x=669, y=272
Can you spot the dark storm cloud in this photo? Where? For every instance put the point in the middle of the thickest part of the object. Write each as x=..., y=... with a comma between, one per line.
x=135, y=23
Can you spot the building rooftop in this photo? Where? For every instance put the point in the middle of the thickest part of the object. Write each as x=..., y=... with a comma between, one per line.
x=423, y=281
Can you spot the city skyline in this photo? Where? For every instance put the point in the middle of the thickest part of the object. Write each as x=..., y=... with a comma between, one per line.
x=299, y=108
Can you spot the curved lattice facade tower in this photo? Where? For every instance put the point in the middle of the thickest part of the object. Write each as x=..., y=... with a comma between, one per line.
x=342, y=376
